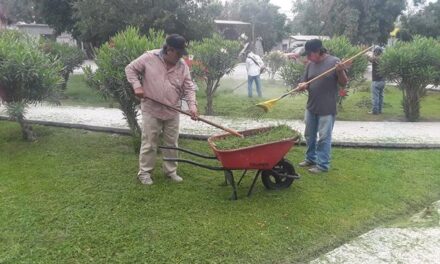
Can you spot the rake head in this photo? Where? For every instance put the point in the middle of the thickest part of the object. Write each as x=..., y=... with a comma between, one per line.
x=268, y=105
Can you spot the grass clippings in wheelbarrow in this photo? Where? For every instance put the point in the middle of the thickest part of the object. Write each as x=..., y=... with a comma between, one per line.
x=277, y=133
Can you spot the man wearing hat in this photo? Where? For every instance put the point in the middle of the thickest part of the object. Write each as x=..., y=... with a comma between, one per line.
x=162, y=76
x=378, y=82
x=320, y=112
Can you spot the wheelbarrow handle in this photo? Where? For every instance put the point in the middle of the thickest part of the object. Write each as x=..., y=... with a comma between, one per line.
x=189, y=152
x=195, y=163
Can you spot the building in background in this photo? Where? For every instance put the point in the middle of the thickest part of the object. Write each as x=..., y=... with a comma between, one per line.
x=295, y=41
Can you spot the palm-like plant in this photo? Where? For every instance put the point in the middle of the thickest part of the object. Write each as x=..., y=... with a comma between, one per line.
x=110, y=80
x=412, y=65
x=27, y=76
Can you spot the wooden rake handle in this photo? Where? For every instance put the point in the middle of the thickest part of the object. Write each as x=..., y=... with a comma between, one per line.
x=229, y=130
x=328, y=71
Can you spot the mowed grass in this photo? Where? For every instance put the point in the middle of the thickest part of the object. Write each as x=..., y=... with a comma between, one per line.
x=232, y=101
x=73, y=197
x=355, y=107
x=78, y=93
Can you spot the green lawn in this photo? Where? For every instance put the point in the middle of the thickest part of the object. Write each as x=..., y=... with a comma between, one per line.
x=237, y=104
x=72, y=197
x=78, y=93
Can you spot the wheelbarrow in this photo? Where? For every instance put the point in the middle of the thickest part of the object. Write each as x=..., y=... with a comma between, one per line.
x=267, y=159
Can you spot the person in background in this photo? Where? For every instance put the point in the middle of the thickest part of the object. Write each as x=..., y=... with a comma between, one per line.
x=378, y=82
x=165, y=78
x=320, y=112
x=254, y=67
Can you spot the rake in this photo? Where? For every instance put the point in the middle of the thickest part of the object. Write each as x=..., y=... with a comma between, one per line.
x=269, y=104
x=229, y=130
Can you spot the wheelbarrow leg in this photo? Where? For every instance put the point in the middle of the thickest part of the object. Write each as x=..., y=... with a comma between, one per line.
x=253, y=183
x=244, y=173
x=230, y=178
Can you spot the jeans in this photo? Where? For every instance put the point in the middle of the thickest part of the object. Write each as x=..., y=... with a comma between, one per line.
x=318, y=134
x=377, y=88
x=257, y=83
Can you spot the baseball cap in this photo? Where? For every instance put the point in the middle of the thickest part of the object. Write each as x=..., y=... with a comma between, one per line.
x=177, y=42
x=378, y=50
x=313, y=45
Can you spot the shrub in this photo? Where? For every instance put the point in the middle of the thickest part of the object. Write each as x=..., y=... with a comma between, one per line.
x=70, y=57
x=214, y=58
x=343, y=49
x=412, y=65
x=110, y=80
x=27, y=76
x=292, y=72
x=274, y=61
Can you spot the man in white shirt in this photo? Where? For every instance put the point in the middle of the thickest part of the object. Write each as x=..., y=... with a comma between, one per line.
x=254, y=67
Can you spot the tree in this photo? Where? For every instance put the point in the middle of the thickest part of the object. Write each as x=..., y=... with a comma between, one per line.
x=27, y=76
x=412, y=65
x=214, y=58
x=361, y=21
x=426, y=22
x=110, y=80
x=19, y=10
x=58, y=14
x=98, y=20
x=268, y=22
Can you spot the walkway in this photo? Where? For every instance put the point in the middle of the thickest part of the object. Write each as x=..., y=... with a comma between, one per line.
x=346, y=133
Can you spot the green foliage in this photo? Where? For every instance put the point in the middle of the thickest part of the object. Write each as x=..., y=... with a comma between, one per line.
x=426, y=22
x=343, y=49
x=214, y=57
x=361, y=21
x=19, y=10
x=277, y=133
x=70, y=57
x=413, y=65
x=274, y=61
x=27, y=75
x=58, y=14
x=111, y=59
x=292, y=72
x=98, y=20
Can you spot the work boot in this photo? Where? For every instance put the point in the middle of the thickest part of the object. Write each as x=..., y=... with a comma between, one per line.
x=306, y=163
x=145, y=179
x=175, y=177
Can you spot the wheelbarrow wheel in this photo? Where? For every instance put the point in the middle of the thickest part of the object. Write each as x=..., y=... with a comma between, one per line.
x=280, y=177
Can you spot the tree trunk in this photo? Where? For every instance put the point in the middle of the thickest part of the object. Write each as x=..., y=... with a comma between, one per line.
x=130, y=115
x=26, y=129
x=209, y=105
x=411, y=102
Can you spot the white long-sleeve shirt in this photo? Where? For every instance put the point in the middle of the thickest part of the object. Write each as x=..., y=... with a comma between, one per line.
x=253, y=69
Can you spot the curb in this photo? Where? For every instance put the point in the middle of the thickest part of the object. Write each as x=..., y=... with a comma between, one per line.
x=126, y=131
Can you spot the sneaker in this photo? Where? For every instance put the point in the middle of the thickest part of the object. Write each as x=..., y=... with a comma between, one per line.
x=175, y=177
x=145, y=179
x=372, y=113
x=316, y=170
x=306, y=163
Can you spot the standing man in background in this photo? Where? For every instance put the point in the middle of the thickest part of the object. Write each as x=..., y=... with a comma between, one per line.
x=165, y=78
x=254, y=67
x=377, y=84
